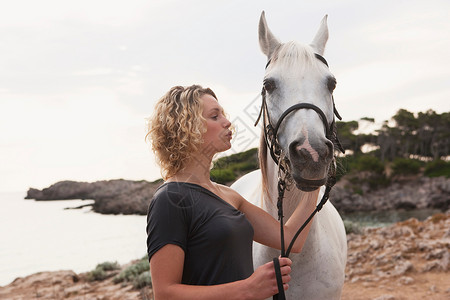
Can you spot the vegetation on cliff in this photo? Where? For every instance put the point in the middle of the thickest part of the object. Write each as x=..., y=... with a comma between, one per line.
x=227, y=169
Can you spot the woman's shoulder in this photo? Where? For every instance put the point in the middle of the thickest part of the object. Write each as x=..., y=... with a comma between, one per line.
x=173, y=192
x=231, y=195
x=172, y=187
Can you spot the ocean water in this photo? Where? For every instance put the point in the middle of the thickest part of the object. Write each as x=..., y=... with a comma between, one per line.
x=385, y=218
x=42, y=236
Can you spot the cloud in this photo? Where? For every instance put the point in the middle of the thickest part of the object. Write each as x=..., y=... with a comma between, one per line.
x=79, y=77
x=94, y=72
x=112, y=13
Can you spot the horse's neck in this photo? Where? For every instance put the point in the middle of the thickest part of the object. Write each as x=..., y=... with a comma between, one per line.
x=291, y=197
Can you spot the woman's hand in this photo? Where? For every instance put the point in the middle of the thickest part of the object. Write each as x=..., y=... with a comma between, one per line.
x=262, y=283
x=166, y=268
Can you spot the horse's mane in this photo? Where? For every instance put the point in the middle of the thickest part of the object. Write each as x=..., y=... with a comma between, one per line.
x=262, y=157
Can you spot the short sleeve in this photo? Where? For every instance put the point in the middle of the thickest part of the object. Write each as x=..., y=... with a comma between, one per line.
x=167, y=221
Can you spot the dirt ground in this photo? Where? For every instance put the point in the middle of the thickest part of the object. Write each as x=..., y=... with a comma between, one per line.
x=408, y=260
x=433, y=286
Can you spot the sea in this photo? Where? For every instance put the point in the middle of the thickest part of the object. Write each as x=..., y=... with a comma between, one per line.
x=44, y=236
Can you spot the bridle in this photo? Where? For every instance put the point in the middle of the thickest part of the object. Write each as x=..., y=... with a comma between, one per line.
x=270, y=136
x=270, y=131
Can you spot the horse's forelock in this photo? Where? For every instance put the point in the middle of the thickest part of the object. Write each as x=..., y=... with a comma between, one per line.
x=294, y=54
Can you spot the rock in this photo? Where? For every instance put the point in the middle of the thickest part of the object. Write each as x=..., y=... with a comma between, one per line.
x=436, y=253
x=433, y=289
x=132, y=197
x=34, y=194
x=111, y=197
x=394, y=251
x=403, y=267
x=63, y=285
x=417, y=193
x=375, y=244
x=408, y=205
x=406, y=280
x=385, y=297
x=438, y=265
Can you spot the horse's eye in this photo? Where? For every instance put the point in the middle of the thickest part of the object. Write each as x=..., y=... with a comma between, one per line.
x=269, y=85
x=331, y=83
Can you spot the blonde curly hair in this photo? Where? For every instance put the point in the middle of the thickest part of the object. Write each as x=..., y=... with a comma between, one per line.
x=176, y=128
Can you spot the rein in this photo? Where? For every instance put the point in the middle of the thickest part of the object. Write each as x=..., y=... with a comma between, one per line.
x=270, y=136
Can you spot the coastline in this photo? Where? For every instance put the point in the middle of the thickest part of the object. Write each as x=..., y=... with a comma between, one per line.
x=127, y=197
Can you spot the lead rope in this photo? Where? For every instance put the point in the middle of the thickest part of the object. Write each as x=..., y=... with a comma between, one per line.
x=281, y=189
x=276, y=263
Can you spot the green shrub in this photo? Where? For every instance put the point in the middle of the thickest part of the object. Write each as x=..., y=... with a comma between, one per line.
x=363, y=170
x=362, y=162
x=133, y=271
x=249, y=155
x=343, y=166
x=369, y=163
x=244, y=166
x=96, y=274
x=352, y=227
x=437, y=168
x=109, y=266
x=99, y=273
x=227, y=169
x=222, y=175
x=378, y=181
x=143, y=279
x=404, y=166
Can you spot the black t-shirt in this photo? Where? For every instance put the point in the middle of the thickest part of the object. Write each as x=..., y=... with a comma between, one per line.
x=216, y=237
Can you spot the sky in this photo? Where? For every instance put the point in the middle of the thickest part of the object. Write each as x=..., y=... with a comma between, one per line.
x=79, y=78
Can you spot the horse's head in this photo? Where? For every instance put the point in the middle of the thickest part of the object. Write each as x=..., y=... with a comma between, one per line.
x=298, y=74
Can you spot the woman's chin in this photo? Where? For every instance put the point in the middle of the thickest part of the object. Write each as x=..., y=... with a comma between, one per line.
x=227, y=147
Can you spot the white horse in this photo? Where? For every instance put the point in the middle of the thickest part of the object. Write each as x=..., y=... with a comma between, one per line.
x=296, y=75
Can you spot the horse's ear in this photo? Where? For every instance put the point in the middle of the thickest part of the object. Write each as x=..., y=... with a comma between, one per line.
x=267, y=41
x=321, y=38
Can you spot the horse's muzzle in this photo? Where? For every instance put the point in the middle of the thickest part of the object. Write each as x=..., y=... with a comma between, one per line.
x=308, y=185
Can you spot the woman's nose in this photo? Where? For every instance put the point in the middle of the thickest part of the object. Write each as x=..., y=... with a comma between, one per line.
x=227, y=123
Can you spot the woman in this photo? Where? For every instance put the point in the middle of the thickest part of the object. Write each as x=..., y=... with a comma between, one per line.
x=200, y=233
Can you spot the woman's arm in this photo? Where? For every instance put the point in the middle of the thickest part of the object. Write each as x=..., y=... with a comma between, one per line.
x=267, y=229
x=166, y=267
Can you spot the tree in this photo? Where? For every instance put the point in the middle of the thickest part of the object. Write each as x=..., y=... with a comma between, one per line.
x=426, y=135
x=350, y=140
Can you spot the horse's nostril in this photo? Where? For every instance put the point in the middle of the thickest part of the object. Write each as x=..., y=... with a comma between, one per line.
x=303, y=151
x=330, y=147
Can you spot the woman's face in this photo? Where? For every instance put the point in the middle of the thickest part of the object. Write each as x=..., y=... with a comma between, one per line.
x=217, y=137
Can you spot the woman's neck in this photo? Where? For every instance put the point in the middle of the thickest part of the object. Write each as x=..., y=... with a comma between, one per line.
x=197, y=170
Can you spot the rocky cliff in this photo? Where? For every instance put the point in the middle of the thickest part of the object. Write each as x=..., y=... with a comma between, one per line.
x=409, y=193
x=132, y=197
x=111, y=196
